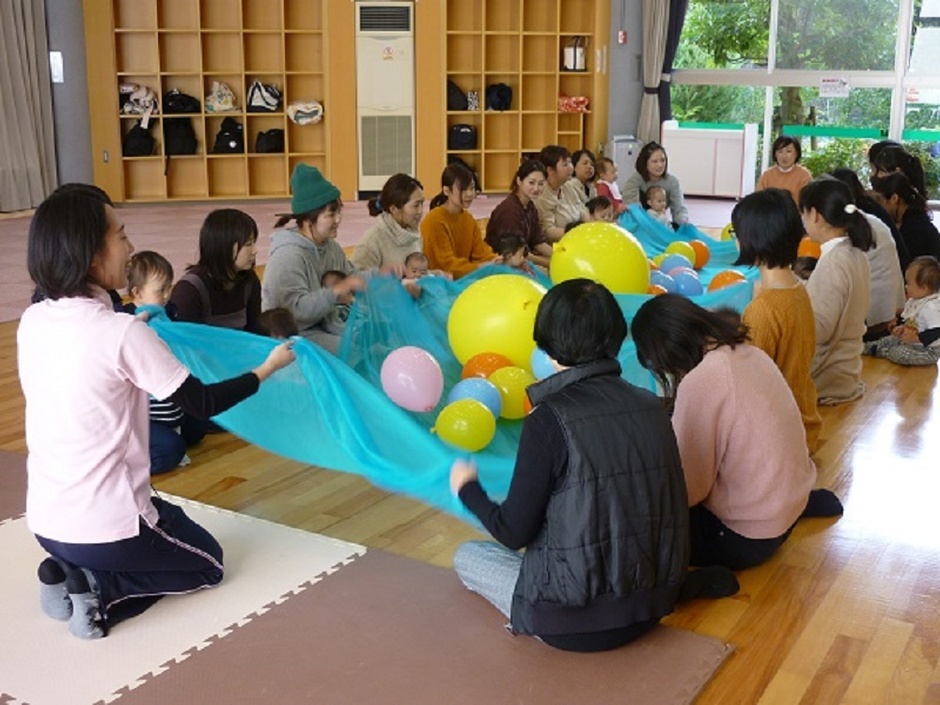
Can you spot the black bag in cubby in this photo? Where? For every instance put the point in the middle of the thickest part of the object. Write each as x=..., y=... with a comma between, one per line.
x=270, y=141
x=456, y=98
x=179, y=137
x=230, y=138
x=498, y=97
x=138, y=142
x=462, y=137
x=176, y=102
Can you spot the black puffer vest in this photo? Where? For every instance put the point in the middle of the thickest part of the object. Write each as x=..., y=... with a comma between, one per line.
x=614, y=547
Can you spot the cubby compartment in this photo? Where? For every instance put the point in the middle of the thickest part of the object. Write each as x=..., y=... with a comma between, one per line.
x=303, y=15
x=502, y=15
x=176, y=14
x=227, y=177
x=539, y=54
x=500, y=131
x=499, y=169
x=186, y=177
x=214, y=124
x=143, y=179
x=577, y=16
x=222, y=52
x=221, y=14
x=538, y=93
x=233, y=81
x=304, y=87
x=130, y=121
x=179, y=53
x=501, y=53
x=267, y=175
x=540, y=16
x=133, y=14
x=304, y=52
x=261, y=15
x=190, y=84
x=538, y=130
x=319, y=161
x=136, y=52
x=261, y=123
x=305, y=138
x=264, y=52
x=464, y=53
x=464, y=16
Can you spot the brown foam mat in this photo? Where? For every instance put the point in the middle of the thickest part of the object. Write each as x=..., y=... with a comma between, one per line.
x=386, y=629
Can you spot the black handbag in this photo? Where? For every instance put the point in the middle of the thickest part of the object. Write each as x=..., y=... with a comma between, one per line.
x=498, y=97
x=456, y=98
x=462, y=137
x=230, y=138
x=179, y=137
x=176, y=102
x=270, y=141
x=138, y=142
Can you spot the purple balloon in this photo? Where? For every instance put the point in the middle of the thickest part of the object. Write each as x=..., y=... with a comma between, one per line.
x=412, y=378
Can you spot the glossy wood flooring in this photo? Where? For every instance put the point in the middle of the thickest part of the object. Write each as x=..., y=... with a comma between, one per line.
x=847, y=612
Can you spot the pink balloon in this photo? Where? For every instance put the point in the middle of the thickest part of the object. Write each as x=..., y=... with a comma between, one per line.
x=412, y=378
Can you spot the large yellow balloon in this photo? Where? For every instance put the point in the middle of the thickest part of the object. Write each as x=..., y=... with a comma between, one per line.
x=604, y=252
x=495, y=315
x=512, y=383
x=467, y=424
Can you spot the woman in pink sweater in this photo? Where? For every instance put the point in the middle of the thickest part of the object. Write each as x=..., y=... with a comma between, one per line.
x=741, y=438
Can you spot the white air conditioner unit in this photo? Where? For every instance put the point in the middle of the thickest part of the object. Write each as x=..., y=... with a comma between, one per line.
x=385, y=90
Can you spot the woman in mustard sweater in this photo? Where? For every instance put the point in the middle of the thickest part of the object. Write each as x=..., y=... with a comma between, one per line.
x=450, y=235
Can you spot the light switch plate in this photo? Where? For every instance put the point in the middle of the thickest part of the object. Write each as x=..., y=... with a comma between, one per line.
x=55, y=67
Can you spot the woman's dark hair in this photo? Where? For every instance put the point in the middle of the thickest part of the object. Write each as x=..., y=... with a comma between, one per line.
x=672, y=335
x=396, y=192
x=223, y=231
x=833, y=200
x=528, y=166
x=551, y=154
x=309, y=216
x=785, y=141
x=579, y=321
x=898, y=159
x=454, y=176
x=66, y=232
x=859, y=195
x=897, y=184
x=769, y=228
x=146, y=264
x=878, y=147
x=508, y=244
x=926, y=272
x=644, y=156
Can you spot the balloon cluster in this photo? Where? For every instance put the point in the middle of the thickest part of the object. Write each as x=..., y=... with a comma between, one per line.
x=674, y=271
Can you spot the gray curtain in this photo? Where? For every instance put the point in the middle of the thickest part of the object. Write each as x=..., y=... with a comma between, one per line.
x=677, y=11
x=655, y=32
x=27, y=142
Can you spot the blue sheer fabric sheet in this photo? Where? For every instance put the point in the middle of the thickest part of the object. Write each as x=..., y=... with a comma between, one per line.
x=331, y=411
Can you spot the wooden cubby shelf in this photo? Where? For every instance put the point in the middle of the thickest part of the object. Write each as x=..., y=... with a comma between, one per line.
x=187, y=45
x=521, y=43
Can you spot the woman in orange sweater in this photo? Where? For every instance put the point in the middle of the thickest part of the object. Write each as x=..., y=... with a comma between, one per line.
x=450, y=235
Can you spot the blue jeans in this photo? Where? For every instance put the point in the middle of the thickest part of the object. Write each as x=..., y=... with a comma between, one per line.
x=174, y=557
x=167, y=446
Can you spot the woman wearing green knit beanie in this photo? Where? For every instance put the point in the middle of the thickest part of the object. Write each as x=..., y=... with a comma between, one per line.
x=302, y=254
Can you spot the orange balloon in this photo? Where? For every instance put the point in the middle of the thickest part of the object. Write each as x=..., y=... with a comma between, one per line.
x=725, y=278
x=484, y=364
x=702, y=253
x=526, y=405
x=653, y=265
x=656, y=289
x=808, y=248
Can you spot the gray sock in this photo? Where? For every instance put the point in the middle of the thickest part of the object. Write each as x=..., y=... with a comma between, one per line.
x=53, y=594
x=87, y=621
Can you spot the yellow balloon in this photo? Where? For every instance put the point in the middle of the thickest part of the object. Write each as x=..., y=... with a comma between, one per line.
x=604, y=252
x=658, y=259
x=727, y=232
x=467, y=424
x=512, y=383
x=495, y=314
x=680, y=247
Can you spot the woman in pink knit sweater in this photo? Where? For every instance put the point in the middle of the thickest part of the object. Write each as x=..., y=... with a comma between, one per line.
x=741, y=438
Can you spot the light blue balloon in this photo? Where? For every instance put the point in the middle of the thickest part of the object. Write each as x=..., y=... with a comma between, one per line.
x=541, y=364
x=674, y=260
x=663, y=280
x=480, y=389
x=688, y=283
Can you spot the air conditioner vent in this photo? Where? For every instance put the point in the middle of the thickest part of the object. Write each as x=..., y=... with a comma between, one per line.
x=384, y=18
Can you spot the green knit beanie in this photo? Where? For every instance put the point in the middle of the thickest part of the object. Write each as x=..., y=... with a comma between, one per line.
x=310, y=190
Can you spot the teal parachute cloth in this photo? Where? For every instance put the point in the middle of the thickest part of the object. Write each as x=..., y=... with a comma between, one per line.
x=331, y=411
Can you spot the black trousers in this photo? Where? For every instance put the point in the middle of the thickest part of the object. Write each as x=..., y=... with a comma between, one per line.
x=713, y=543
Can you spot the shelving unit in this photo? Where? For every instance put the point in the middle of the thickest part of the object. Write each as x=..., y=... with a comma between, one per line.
x=166, y=44
x=520, y=43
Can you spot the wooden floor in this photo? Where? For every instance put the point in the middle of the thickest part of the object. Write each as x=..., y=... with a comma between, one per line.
x=847, y=612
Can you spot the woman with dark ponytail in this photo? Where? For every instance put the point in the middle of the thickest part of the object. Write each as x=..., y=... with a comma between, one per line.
x=895, y=160
x=839, y=288
x=397, y=211
x=908, y=207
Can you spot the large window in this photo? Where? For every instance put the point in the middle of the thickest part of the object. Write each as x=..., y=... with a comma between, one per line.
x=838, y=73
